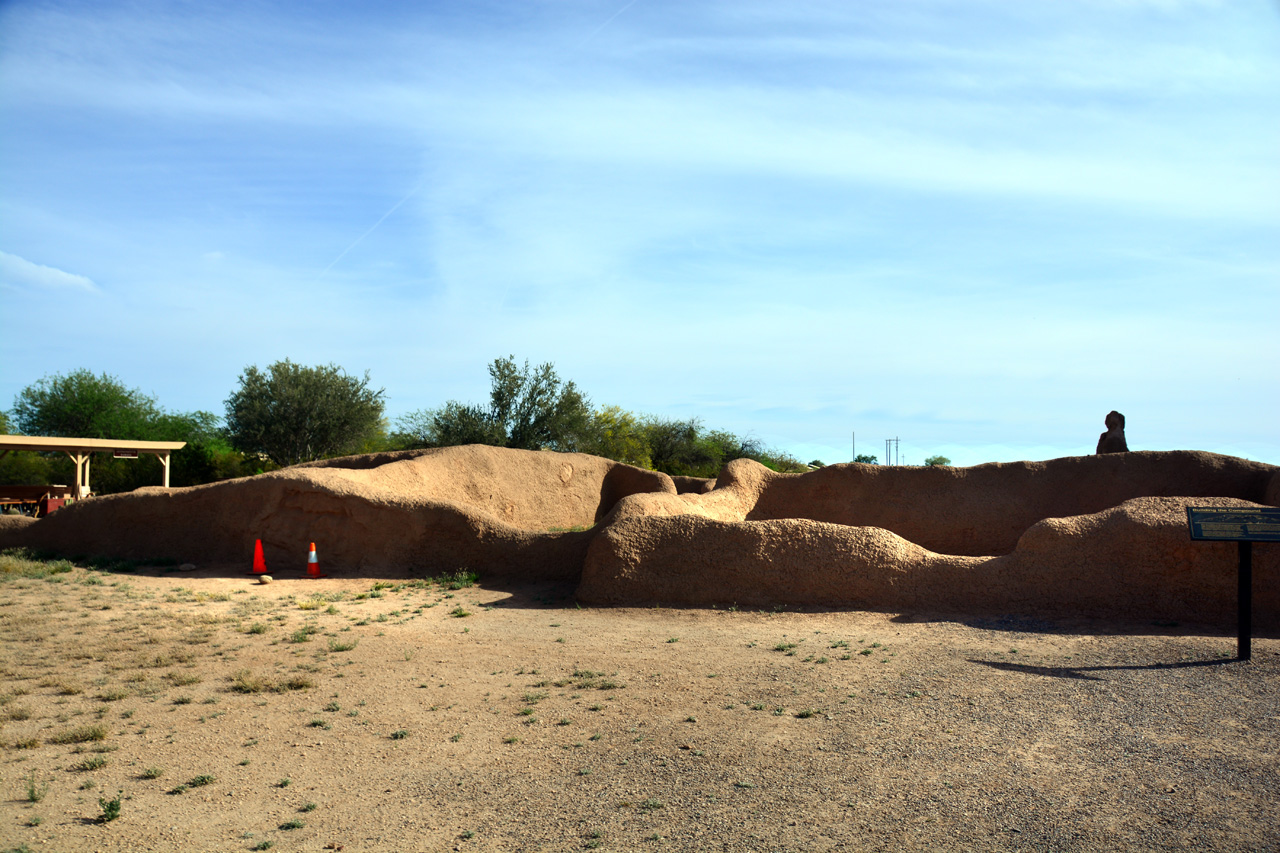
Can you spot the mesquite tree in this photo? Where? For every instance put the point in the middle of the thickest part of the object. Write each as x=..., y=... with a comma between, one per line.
x=291, y=413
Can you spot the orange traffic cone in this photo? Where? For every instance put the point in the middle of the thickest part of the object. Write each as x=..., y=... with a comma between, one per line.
x=313, y=565
x=259, y=562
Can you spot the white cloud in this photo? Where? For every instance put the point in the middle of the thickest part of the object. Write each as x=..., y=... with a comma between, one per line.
x=21, y=273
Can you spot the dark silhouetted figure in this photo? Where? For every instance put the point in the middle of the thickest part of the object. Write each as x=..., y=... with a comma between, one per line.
x=1112, y=441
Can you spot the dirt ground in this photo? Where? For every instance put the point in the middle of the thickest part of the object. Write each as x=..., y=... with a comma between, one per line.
x=366, y=714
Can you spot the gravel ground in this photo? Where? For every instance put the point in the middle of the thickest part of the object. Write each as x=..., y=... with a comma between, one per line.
x=484, y=719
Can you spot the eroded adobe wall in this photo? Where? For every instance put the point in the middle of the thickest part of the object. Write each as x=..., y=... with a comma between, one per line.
x=1134, y=562
x=514, y=514
x=983, y=510
x=843, y=536
x=531, y=490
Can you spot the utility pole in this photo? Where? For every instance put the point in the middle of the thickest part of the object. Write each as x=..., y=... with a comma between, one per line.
x=891, y=450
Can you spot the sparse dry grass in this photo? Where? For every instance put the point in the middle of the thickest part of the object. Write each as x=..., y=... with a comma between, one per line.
x=752, y=731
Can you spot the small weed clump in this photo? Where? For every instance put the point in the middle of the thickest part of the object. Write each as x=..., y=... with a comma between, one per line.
x=16, y=714
x=95, y=763
x=83, y=734
x=303, y=634
x=585, y=679
x=110, y=808
x=244, y=681
x=35, y=790
x=461, y=579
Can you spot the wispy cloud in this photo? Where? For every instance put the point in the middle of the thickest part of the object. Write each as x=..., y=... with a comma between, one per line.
x=795, y=219
x=20, y=273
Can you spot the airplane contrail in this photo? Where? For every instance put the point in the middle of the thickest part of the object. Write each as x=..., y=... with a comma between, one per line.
x=393, y=209
x=607, y=23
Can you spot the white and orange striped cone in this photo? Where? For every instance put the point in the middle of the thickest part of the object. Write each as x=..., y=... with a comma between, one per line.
x=313, y=564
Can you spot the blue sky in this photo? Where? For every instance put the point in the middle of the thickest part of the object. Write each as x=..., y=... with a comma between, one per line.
x=977, y=227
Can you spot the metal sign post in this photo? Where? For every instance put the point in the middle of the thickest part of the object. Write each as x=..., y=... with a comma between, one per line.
x=1244, y=526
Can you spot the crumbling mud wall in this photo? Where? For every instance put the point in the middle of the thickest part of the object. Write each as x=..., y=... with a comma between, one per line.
x=1082, y=536
x=1134, y=561
x=508, y=513
x=983, y=510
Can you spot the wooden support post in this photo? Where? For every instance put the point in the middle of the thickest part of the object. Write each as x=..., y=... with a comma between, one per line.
x=82, y=472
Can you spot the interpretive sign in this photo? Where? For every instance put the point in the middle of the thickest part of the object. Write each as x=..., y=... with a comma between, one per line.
x=1243, y=525
x=1234, y=523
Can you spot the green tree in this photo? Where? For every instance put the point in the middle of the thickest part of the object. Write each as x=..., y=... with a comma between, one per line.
x=865, y=459
x=781, y=461
x=22, y=469
x=617, y=434
x=532, y=409
x=682, y=448
x=529, y=409
x=675, y=448
x=82, y=405
x=937, y=460
x=291, y=413
x=208, y=455
x=450, y=425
